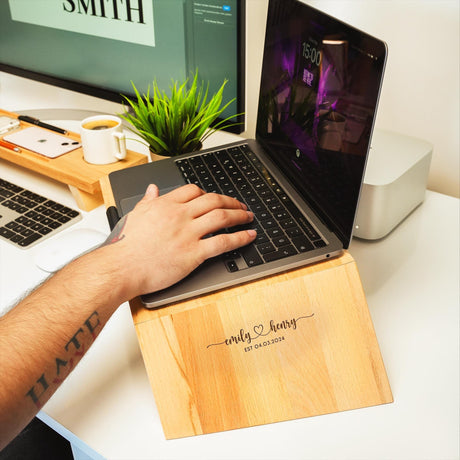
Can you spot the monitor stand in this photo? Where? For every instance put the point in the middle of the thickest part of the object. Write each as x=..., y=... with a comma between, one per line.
x=82, y=178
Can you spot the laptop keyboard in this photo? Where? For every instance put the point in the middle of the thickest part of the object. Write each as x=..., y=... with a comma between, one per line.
x=282, y=231
x=26, y=218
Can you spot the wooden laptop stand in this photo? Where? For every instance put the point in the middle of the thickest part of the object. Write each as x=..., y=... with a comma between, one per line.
x=287, y=346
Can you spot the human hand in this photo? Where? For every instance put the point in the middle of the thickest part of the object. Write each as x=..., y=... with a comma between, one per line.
x=161, y=240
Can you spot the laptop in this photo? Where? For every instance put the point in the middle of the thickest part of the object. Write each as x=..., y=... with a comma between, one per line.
x=302, y=174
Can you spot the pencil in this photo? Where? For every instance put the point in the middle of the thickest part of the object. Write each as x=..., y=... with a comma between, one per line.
x=9, y=145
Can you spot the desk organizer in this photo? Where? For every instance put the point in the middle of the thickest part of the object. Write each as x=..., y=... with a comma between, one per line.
x=82, y=178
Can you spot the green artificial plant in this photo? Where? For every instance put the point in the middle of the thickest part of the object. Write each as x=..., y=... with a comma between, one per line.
x=180, y=122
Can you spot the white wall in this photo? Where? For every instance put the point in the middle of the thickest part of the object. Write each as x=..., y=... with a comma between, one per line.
x=420, y=95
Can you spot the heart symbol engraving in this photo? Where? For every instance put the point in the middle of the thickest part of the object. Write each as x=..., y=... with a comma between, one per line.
x=259, y=329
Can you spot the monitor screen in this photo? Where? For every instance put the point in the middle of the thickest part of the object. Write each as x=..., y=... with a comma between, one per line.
x=99, y=47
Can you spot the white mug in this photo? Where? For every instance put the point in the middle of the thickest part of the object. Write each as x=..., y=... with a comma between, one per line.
x=102, y=139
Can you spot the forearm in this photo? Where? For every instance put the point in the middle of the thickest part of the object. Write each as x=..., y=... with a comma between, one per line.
x=43, y=337
x=157, y=244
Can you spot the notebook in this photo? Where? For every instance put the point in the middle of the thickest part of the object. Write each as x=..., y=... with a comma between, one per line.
x=319, y=89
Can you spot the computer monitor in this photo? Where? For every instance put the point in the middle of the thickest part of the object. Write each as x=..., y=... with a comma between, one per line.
x=98, y=47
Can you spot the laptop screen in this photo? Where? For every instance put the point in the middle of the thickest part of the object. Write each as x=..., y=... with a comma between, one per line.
x=319, y=90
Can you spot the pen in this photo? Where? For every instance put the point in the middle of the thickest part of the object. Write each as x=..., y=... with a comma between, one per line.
x=37, y=122
x=9, y=145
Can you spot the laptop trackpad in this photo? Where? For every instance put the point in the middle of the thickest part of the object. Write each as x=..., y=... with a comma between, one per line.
x=127, y=204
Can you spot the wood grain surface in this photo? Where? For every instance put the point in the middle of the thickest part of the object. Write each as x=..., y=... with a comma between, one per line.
x=289, y=346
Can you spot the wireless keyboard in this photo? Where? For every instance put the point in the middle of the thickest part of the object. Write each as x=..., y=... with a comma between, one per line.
x=27, y=218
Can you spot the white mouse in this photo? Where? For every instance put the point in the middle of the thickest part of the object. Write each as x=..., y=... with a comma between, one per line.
x=60, y=250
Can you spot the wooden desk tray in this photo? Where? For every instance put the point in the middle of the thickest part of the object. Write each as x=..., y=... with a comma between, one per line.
x=289, y=346
x=82, y=178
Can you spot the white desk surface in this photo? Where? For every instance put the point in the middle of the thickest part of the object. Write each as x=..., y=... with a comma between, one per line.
x=411, y=281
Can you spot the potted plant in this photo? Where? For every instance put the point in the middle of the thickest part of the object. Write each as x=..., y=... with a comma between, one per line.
x=180, y=122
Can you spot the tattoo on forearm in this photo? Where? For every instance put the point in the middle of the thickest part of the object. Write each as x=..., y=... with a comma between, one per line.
x=63, y=367
x=117, y=233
